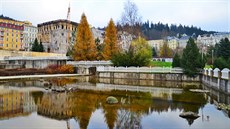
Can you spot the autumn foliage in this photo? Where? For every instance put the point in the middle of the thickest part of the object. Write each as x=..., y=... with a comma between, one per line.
x=111, y=46
x=52, y=69
x=84, y=47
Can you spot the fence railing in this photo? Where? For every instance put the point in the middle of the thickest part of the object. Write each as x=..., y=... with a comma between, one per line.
x=91, y=63
x=140, y=69
x=225, y=73
x=35, y=58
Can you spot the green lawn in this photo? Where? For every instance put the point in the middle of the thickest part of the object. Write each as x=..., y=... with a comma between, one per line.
x=160, y=64
x=208, y=66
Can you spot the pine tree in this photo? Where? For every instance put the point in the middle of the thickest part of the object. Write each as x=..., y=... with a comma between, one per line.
x=223, y=48
x=35, y=46
x=165, y=51
x=40, y=47
x=84, y=47
x=111, y=46
x=154, y=52
x=191, y=60
x=176, y=61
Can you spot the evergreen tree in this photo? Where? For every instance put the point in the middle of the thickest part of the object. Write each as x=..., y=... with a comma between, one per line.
x=111, y=46
x=191, y=60
x=223, y=48
x=221, y=63
x=40, y=47
x=176, y=61
x=154, y=52
x=222, y=52
x=84, y=48
x=165, y=51
x=35, y=46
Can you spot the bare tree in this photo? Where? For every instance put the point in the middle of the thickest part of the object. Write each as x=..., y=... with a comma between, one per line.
x=130, y=18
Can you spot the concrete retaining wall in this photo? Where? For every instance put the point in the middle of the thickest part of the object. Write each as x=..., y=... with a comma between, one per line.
x=31, y=62
x=8, y=53
x=148, y=76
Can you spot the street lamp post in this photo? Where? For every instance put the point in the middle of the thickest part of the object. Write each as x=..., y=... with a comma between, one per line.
x=212, y=57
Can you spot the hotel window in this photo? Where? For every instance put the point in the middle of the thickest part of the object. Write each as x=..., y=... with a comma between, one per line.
x=12, y=45
x=6, y=45
x=16, y=46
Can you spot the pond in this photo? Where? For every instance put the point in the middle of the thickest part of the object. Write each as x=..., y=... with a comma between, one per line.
x=31, y=104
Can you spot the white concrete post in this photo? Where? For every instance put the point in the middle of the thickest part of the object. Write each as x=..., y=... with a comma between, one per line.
x=219, y=78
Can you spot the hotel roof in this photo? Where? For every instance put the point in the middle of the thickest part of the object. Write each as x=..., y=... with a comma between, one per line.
x=57, y=21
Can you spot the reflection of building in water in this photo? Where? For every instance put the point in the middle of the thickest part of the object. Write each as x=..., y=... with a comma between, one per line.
x=55, y=106
x=14, y=103
x=28, y=103
x=11, y=103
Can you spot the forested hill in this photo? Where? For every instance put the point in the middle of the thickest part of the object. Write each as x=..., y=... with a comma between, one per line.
x=160, y=30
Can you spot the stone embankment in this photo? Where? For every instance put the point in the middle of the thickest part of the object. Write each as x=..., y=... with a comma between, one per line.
x=145, y=73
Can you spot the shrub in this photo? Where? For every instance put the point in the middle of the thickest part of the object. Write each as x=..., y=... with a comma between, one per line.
x=54, y=68
x=66, y=69
x=139, y=54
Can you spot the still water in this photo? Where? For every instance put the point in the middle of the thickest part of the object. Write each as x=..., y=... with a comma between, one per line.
x=30, y=104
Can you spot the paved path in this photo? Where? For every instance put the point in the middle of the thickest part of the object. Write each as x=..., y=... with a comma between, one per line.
x=39, y=76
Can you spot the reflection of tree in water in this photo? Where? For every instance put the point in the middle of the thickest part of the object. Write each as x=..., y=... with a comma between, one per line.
x=80, y=106
x=190, y=120
x=83, y=105
x=126, y=114
x=62, y=81
x=189, y=101
x=128, y=120
x=110, y=112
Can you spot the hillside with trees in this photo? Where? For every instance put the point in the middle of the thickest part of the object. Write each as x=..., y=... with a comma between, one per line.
x=159, y=30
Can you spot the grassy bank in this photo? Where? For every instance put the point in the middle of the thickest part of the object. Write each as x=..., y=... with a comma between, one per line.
x=160, y=64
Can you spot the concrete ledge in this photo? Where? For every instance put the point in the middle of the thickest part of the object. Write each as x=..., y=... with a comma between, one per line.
x=39, y=76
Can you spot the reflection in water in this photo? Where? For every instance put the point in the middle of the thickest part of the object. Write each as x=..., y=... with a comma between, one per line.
x=15, y=103
x=83, y=103
x=133, y=106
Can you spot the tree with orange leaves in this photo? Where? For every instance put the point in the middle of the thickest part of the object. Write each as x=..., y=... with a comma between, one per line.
x=111, y=46
x=84, y=47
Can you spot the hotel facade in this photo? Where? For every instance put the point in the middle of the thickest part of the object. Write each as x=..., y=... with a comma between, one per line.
x=11, y=33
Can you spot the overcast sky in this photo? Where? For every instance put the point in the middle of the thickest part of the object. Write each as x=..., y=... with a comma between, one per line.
x=207, y=14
